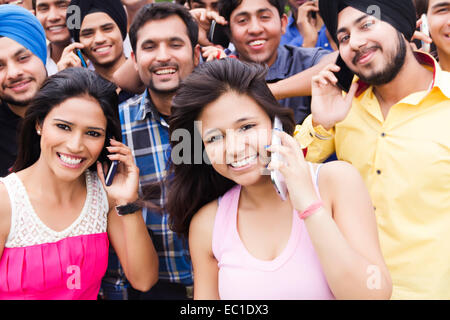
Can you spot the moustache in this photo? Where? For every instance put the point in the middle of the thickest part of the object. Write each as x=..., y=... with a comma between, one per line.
x=13, y=82
x=361, y=53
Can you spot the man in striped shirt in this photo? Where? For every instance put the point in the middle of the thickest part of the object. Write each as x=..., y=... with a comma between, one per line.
x=165, y=51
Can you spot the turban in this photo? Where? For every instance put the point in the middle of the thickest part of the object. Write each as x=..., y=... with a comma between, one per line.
x=20, y=25
x=401, y=14
x=112, y=8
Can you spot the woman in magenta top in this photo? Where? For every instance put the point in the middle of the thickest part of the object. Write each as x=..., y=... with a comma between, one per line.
x=57, y=217
x=245, y=241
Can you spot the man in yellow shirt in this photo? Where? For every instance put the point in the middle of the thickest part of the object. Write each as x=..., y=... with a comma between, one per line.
x=393, y=126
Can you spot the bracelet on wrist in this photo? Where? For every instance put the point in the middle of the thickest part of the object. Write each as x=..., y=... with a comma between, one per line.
x=128, y=208
x=310, y=210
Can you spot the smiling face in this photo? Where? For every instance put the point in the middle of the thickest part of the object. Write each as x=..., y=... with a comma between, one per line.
x=102, y=39
x=234, y=137
x=256, y=30
x=21, y=73
x=72, y=136
x=371, y=48
x=52, y=15
x=164, y=54
x=439, y=24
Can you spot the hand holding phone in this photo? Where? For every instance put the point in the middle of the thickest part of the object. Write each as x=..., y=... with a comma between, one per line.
x=344, y=75
x=276, y=176
x=218, y=34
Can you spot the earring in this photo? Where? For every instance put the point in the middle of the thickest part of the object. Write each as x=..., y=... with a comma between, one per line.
x=38, y=132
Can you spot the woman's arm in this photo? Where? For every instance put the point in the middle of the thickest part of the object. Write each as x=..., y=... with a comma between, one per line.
x=203, y=261
x=343, y=230
x=350, y=253
x=128, y=234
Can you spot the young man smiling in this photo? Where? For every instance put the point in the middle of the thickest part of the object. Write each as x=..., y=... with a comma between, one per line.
x=101, y=35
x=393, y=127
x=256, y=27
x=165, y=51
x=52, y=15
x=439, y=23
x=22, y=71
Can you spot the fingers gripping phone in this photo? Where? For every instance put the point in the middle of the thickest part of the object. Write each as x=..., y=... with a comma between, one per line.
x=112, y=168
x=80, y=55
x=276, y=176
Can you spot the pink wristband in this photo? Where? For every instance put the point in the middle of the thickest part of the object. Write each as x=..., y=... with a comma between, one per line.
x=310, y=210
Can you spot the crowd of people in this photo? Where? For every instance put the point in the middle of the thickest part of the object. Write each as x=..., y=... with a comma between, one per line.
x=140, y=159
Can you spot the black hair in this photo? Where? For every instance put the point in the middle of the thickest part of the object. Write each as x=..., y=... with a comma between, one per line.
x=226, y=7
x=69, y=83
x=190, y=185
x=159, y=11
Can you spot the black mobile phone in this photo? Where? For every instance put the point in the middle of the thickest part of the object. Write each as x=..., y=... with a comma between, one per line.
x=218, y=34
x=345, y=75
x=112, y=169
x=80, y=55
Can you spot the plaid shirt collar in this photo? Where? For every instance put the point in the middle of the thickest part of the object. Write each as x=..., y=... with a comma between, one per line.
x=146, y=106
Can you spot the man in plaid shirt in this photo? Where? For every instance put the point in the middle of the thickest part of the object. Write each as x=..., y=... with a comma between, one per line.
x=165, y=51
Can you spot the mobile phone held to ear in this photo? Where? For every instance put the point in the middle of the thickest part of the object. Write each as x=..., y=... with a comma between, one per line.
x=80, y=55
x=344, y=76
x=111, y=170
x=218, y=34
x=424, y=28
x=276, y=176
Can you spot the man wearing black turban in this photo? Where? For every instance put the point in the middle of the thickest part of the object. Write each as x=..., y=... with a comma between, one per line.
x=101, y=32
x=393, y=127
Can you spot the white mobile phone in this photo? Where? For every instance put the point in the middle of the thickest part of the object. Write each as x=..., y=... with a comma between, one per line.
x=424, y=28
x=276, y=176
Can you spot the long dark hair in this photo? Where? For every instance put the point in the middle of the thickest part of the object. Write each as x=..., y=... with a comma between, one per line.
x=69, y=83
x=193, y=185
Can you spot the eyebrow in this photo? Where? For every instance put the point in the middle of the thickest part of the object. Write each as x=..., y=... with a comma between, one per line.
x=236, y=122
x=246, y=13
x=440, y=5
x=102, y=26
x=343, y=29
x=70, y=123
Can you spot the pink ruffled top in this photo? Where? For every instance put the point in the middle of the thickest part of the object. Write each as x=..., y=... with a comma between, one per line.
x=42, y=264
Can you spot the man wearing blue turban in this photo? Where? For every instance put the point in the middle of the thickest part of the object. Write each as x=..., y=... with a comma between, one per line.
x=23, y=53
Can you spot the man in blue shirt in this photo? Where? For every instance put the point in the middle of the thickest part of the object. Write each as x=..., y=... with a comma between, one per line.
x=164, y=40
x=305, y=27
x=256, y=27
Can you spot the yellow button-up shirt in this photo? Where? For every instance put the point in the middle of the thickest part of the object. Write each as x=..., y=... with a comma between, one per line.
x=405, y=162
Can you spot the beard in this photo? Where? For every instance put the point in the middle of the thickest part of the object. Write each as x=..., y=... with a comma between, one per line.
x=169, y=91
x=392, y=68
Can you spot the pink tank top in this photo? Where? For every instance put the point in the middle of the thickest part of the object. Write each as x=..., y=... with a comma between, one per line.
x=294, y=275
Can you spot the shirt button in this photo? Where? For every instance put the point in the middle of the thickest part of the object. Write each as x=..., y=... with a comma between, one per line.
x=383, y=135
x=378, y=172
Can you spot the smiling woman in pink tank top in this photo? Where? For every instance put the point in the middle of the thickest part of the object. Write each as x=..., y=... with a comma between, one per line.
x=245, y=241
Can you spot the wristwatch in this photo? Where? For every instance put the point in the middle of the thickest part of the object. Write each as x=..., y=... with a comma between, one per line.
x=128, y=208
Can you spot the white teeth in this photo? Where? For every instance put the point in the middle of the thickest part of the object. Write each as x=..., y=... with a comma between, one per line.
x=257, y=42
x=243, y=162
x=165, y=71
x=69, y=160
x=55, y=28
x=103, y=49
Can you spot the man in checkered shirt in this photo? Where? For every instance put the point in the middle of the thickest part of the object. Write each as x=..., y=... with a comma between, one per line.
x=165, y=51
